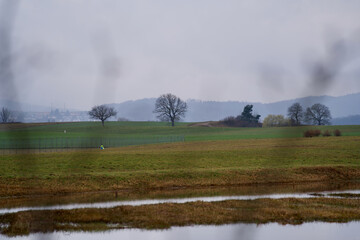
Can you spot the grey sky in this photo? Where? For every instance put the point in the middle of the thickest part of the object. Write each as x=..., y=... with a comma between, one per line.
x=86, y=52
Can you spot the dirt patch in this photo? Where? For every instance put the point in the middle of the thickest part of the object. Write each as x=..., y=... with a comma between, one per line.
x=207, y=124
x=11, y=126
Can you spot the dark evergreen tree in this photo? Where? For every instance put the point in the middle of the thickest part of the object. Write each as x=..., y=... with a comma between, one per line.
x=247, y=115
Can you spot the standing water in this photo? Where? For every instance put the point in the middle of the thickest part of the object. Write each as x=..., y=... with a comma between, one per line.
x=316, y=230
x=111, y=204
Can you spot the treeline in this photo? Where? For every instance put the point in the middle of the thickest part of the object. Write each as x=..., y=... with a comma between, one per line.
x=171, y=108
x=8, y=116
x=317, y=114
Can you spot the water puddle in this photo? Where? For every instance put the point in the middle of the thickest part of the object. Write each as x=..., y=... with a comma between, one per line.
x=111, y=204
x=129, y=195
x=315, y=230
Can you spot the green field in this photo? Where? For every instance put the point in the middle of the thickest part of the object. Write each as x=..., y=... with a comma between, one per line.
x=138, y=130
x=209, y=156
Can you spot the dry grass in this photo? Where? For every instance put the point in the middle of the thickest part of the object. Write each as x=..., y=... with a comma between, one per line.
x=161, y=216
x=166, y=180
x=12, y=126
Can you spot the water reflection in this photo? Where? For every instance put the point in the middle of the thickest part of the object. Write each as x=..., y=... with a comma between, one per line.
x=112, y=204
x=317, y=230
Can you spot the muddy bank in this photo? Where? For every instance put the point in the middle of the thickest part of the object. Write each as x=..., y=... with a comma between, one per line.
x=173, y=193
x=164, y=181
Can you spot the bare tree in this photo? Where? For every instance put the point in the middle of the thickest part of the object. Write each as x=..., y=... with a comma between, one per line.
x=170, y=108
x=296, y=113
x=102, y=113
x=5, y=115
x=318, y=114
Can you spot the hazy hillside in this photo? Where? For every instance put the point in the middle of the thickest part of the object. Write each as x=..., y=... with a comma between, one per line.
x=350, y=120
x=141, y=110
x=16, y=106
x=343, y=109
x=138, y=110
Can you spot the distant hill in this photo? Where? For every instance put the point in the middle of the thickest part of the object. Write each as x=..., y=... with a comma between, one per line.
x=26, y=107
x=199, y=111
x=344, y=109
x=350, y=120
x=138, y=110
x=17, y=106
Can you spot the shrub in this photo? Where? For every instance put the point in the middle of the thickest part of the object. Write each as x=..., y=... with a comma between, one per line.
x=312, y=133
x=234, y=122
x=229, y=121
x=276, y=121
x=327, y=133
x=337, y=133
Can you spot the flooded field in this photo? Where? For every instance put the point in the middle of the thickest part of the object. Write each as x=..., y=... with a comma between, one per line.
x=74, y=216
x=316, y=230
x=111, y=204
x=180, y=194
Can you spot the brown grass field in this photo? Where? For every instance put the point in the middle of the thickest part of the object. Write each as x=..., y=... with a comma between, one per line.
x=162, y=216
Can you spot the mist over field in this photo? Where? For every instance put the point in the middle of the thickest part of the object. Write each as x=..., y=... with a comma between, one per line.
x=82, y=53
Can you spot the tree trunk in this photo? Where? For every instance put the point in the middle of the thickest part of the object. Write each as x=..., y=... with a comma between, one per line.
x=172, y=123
x=102, y=122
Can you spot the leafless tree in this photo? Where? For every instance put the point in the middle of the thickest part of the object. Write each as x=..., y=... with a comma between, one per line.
x=318, y=114
x=296, y=113
x=102, y=113
x=5, y=115
x=169, y=107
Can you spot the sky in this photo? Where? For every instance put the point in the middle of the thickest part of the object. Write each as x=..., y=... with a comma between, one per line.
x=80, y=53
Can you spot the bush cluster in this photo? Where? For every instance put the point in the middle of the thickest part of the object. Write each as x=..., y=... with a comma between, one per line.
x=312, y=133
x=337, y=133
x=327, y=133
x=316, y=133
x=276, y=121
x=246, y=119
x=235, y=122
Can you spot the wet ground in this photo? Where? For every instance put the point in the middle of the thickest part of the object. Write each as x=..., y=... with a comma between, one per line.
x=316, y=230
x=235, y=231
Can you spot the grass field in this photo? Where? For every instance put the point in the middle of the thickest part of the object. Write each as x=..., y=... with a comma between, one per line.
x=136, y=130
x=209, y=158
x=186, y=164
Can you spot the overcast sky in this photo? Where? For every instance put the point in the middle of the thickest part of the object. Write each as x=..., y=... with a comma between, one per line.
x=86, y=52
